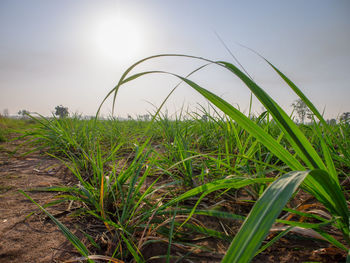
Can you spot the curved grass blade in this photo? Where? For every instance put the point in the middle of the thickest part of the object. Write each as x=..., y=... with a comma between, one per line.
x=242, y=120
x=293, y=134
x=123, y=77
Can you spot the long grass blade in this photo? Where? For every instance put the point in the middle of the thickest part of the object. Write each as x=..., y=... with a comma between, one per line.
x=262, y=216
x=69, y=235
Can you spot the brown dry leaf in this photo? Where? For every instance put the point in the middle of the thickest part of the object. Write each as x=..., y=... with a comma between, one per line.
x=114, y=260
x=299, y=230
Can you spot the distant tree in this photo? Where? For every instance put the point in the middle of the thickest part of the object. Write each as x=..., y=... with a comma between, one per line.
x=332, y=122
x=23, y=113
x=345, y=117
x=6, y=113
x=144, y=117
x=129, y=117
x=61, y=111
x=302, y=110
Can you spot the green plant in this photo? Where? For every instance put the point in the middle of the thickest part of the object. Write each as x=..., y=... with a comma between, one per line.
x=322, y=182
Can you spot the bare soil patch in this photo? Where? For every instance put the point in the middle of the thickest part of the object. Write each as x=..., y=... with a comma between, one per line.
x=33, y=239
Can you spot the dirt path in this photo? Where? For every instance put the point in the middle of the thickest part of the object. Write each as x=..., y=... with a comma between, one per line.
x=35, y=239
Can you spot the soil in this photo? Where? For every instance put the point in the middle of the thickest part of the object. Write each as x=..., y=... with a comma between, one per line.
x=37, y=239
x=32, y=239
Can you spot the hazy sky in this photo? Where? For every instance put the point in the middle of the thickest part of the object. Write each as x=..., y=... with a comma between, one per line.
x=73, y=52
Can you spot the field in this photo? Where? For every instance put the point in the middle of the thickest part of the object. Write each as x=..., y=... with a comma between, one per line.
x=203, y=186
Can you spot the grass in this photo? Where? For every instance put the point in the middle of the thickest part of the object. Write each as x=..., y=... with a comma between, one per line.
x=160, y=181
x=9, y=126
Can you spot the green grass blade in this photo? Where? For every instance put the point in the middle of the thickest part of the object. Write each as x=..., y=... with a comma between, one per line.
x=274, y=240
x=205, y=231
x=326, y=153
x=236, y=182
x=171, y=232
x=260, y=219
x=69, y=235
x=131, y=248
x=213, y=213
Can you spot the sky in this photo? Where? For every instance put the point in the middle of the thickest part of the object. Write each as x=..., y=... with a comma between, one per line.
x=72, y=53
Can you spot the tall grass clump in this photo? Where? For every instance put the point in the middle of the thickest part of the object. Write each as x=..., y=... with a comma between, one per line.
x=111, y=183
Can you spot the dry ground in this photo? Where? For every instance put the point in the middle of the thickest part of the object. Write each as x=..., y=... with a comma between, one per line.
x=33, y=239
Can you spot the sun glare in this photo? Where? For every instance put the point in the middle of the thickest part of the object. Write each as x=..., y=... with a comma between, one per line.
x=118, y=38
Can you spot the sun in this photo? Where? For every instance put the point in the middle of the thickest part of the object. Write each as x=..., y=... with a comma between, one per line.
x=118, y=38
